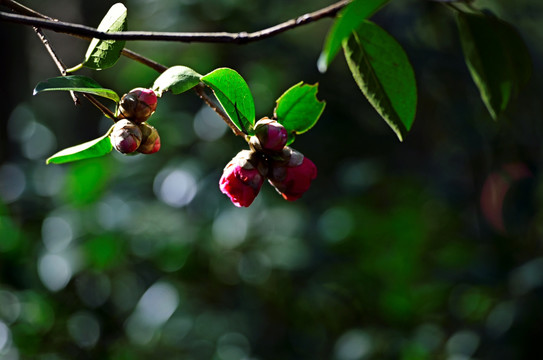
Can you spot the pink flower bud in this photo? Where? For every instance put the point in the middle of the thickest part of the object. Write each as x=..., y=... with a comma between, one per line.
x=271, y=135
x=125, y=136
x=242, y=178
x=292, y=177
x=138, y=105
x=150, y=141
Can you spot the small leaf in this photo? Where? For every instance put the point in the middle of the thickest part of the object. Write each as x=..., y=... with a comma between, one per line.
x=298, y=109
x=383, y=72
x=497, y=58
x=176, y=79
x=347, y=21
x=102, y=54
x=76, y=83
x=94, y=148
x=235, y=97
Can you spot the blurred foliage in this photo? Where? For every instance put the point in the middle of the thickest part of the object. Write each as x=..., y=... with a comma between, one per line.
x=387, y=256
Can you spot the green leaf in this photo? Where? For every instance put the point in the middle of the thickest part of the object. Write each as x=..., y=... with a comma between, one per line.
x=235, y=97
x=102, y=54
x=298, y=109
x=383, y=72
x=94, y=148
x=176, y=79
x=347, y=21
x=497, y=58
x=76, y=83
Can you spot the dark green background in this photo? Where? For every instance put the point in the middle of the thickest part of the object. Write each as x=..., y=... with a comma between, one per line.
x=387, y=256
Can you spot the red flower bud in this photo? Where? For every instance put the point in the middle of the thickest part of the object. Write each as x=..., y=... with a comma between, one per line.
x=125, y=136
x=271, y=135
x=150, y=141
x=242, y=178
x=138, y=104
x=292, y=177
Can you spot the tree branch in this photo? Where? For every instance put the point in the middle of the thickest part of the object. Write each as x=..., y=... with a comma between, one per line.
x=200, y=91
x=208, y=37
x=60, y=65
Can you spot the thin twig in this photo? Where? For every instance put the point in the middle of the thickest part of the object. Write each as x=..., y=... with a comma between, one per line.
x=208, y=37
x=222, y=37
x=143, y=60
x=200, y=90
x=104, y=109
x=21, y=9
x=58, y=62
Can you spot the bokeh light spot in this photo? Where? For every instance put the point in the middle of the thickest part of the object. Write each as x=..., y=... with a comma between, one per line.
x=254, y=267
x=208, y=125
x=176, y=188
x=93, y=288
x=12, y=183
x=40, y=143
x=48, y=180
x=353, y=345
x=335, y=224
x=55, y=272
x=230, y=228
x=233, y=346
x=84, y=328
x=56, y=233
x=10, y=307
x=5, y=337
x=464, y=342
x=500, y=318
x=158, y=303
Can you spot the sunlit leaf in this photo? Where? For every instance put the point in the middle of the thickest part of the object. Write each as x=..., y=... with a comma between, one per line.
x=176, y=79
x=102, y=54
x=76, y=83
x=298, y=109
x=383, y=72
x=234, y=95
x=94, y=148
x=497, y=58
x=347, y=21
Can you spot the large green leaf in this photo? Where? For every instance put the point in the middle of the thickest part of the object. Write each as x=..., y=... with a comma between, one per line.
x=234, y=95
x=176, y=79
x=347, y=21
x=383, y=72
x=298, y=109
x=94, y=148
x=496, y=56
x=76, y=83
x=102, y=54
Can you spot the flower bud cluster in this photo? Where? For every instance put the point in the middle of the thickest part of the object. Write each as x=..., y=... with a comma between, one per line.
x=132, y=133
x=286, y=169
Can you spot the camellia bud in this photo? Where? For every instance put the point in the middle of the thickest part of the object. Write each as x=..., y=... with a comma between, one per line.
x=292, y=174
x=138, y=104
x=243, y=177
x=271, y=135
x=125, y=136
x=150, y=141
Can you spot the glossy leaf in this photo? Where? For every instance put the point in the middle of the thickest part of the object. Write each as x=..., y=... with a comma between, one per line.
x=497, y=58
x=102, y=54
x=347, y=21
x=234, y=95
x=176, y=79
x=383, y=72
x=76, y=83
x=94, y=148
x=298, y=109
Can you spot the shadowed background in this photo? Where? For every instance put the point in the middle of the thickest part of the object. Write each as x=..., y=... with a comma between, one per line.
x=426, y=249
